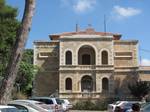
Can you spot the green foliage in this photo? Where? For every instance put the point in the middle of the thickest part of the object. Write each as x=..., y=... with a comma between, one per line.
x=28, y=56
x=7, y=12
x=8, y=29
x=89, y=105
x=139, y=89
x=101, y=104
x=85, y=105
x=26, y=72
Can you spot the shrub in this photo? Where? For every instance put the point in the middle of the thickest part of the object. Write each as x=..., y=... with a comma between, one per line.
x=19, y=96
x=89, y=105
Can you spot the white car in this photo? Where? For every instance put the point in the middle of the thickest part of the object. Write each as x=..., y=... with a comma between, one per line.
x=66, y=105
x=30, y=106
x=54, y=103
x=6, y=108
x=124, y=105
x=111, y=107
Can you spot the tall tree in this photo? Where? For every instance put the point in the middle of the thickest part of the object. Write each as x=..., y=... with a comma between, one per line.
x=8, y=28
x=140, y=89
x=16, y=55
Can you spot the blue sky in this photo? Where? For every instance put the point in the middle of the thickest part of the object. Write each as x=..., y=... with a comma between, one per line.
x=127, y=17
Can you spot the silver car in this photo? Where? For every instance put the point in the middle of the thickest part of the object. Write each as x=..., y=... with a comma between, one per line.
x=6, y=108
x=66, y=104
x=30, y=106
x=54, y=103
x=145, y=107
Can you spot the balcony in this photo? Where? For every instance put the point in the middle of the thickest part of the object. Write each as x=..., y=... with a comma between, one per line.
x=83, y=95
x=86, y=67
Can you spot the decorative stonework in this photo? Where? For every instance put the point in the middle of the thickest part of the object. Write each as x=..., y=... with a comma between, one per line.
x=89, y=75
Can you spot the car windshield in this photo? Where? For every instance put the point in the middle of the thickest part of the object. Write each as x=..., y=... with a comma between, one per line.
x=58, y=101
x=62, y=101
x=9, y=110
x=144, y=104
x=116, y=103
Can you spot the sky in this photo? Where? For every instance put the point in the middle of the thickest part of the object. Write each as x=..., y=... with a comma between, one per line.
x=131, y=18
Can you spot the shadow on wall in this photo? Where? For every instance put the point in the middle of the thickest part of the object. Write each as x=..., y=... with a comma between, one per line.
x=47, y=79
x=121, y=86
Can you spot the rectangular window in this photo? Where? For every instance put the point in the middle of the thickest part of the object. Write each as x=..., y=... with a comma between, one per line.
x=123, y=54
x=47, y=54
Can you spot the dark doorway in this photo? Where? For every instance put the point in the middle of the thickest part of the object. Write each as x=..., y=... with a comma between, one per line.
x=86, y=59
x=87, y=84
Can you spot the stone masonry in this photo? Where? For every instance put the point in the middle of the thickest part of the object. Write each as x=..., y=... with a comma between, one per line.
x=86, y=64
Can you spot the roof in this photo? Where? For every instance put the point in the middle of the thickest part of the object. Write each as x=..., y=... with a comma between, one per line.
x=88, y=31
x=144, y=68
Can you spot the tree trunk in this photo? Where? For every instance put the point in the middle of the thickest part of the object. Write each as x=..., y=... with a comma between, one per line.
x=17, y=50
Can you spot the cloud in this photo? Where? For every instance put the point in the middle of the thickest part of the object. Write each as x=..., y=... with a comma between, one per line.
x=82, y=6
x=145, y=62
x=122, y=12
x=79, y=6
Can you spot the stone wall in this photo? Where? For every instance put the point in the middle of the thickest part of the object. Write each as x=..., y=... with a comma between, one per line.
x=121, y=70
x=74, y=45
x=46, y=57
x=125, y=53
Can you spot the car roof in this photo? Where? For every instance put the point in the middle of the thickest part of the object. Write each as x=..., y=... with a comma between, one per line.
x=26, y=104
x=43, y=98
x=24, y=101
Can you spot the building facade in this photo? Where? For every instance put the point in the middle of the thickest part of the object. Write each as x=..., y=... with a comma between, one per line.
x=85, y=64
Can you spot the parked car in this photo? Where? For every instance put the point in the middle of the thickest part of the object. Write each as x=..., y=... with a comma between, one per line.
x=6, y=108
x=145, y=107
x=66, y=105
x=54, y=103
x=111, y=107
x=30, y=106
x=124, y=105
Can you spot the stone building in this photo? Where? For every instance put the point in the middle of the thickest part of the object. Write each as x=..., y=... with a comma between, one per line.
x=85, y=64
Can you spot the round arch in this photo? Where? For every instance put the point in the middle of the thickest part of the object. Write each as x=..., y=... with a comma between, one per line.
x=68, y=83
x=68, y=57
x=91, y=46
x=86, y=55
x=104, y=56
x=68, y=49
x=86, y=83
x=105, y=84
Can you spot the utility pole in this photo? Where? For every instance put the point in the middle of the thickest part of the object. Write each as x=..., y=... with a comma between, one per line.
x=105, y=24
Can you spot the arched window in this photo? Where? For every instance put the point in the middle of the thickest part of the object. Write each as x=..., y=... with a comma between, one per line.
x=68, y=58
x=68, y=84
x=105, y=85
x=86, y=83
x=86, y=55
x=86, y=59
x=104, y=57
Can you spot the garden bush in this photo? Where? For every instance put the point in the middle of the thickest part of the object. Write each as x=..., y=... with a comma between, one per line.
x=92, y=105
